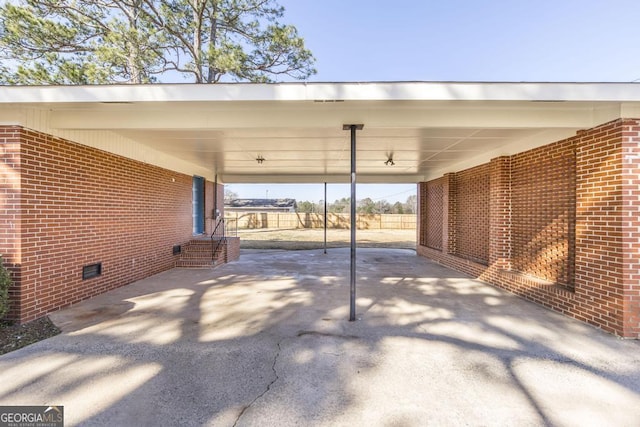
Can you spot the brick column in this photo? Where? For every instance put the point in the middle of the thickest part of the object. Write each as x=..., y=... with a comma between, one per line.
x=602, y=223
x=220, y=206
x=210, y=193
x=10, y=215
x=208, y=207
x=500, y=213
x=631, y=227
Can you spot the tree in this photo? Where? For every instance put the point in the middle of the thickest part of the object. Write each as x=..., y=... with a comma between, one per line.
x=141, y=41
x=384, y=207
x=366, y=206
x=306, y=207
x=340, y=206
x=410, y=206
x=77, y=42
x=230, y=195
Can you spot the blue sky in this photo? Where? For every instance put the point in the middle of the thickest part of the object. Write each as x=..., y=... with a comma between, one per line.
x=460, y=40
x=470, y=40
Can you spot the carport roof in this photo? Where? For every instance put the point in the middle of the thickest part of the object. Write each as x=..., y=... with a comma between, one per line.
x=428, y=128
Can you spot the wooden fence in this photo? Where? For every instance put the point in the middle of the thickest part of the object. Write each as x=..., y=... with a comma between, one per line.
x=277, y=220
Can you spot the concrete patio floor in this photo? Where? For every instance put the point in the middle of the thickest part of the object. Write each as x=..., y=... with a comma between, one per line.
x=265, y=341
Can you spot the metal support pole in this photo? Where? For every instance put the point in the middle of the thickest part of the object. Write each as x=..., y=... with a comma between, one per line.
x=352, y=299
x=325, y=218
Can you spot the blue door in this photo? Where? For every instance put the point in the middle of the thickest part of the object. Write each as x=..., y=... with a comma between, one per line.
x=198, y=205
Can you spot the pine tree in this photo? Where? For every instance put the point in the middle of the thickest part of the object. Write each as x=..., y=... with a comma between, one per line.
x=143, y=41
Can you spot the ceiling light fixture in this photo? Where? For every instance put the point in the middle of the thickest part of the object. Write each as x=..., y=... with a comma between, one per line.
x=260, y=159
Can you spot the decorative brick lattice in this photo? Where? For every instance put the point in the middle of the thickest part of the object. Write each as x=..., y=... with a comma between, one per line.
x=434, y=214
x=544, y=211
x=472, y=213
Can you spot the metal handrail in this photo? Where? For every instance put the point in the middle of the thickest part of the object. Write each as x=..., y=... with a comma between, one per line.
x=215, y=246
x=231, y=226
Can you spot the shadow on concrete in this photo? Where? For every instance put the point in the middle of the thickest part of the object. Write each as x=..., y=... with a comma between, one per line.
x=266, y=341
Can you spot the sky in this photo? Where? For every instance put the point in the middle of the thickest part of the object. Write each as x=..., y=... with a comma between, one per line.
x=459, y=40
x=470, y=40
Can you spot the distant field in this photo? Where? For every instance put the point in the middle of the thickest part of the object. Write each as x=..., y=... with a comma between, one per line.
x=297, y=239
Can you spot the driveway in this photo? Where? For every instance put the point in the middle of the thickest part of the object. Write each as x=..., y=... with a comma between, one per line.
x=265, y=341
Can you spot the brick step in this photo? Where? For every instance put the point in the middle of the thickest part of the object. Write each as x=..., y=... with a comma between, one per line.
x=199, y=257
x=208, y=249
x=199, y=245
x=190, y=247
x=183, y=263
x=197, y=254
x=203, y=241
x=200, y=253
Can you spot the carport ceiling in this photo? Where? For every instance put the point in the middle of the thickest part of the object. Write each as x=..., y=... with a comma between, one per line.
x=426, y=128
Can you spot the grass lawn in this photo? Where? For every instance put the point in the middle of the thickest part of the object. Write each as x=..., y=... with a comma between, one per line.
x=302, y=238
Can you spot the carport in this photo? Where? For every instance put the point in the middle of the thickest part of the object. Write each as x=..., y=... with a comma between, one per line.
x=103, y=176
x=300, y=132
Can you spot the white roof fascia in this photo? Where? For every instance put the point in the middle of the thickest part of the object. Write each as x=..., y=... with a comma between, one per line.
x=373, y=91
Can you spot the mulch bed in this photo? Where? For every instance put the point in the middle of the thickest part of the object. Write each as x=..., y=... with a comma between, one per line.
x=14, y=336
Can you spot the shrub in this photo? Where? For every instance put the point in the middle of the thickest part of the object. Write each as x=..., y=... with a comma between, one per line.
x=5, y=283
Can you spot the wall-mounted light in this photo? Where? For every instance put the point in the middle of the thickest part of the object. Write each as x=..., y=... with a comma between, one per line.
x=260, y=159
x=390, y=162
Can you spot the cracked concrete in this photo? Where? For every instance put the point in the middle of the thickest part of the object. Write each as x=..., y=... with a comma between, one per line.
x=265, y=341
x=275, y=374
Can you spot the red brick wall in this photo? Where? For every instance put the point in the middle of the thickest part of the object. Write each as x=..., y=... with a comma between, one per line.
x=543, y=187
x=472, y=213
x=456, y=214
x=564, y=227
x=81, y=206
